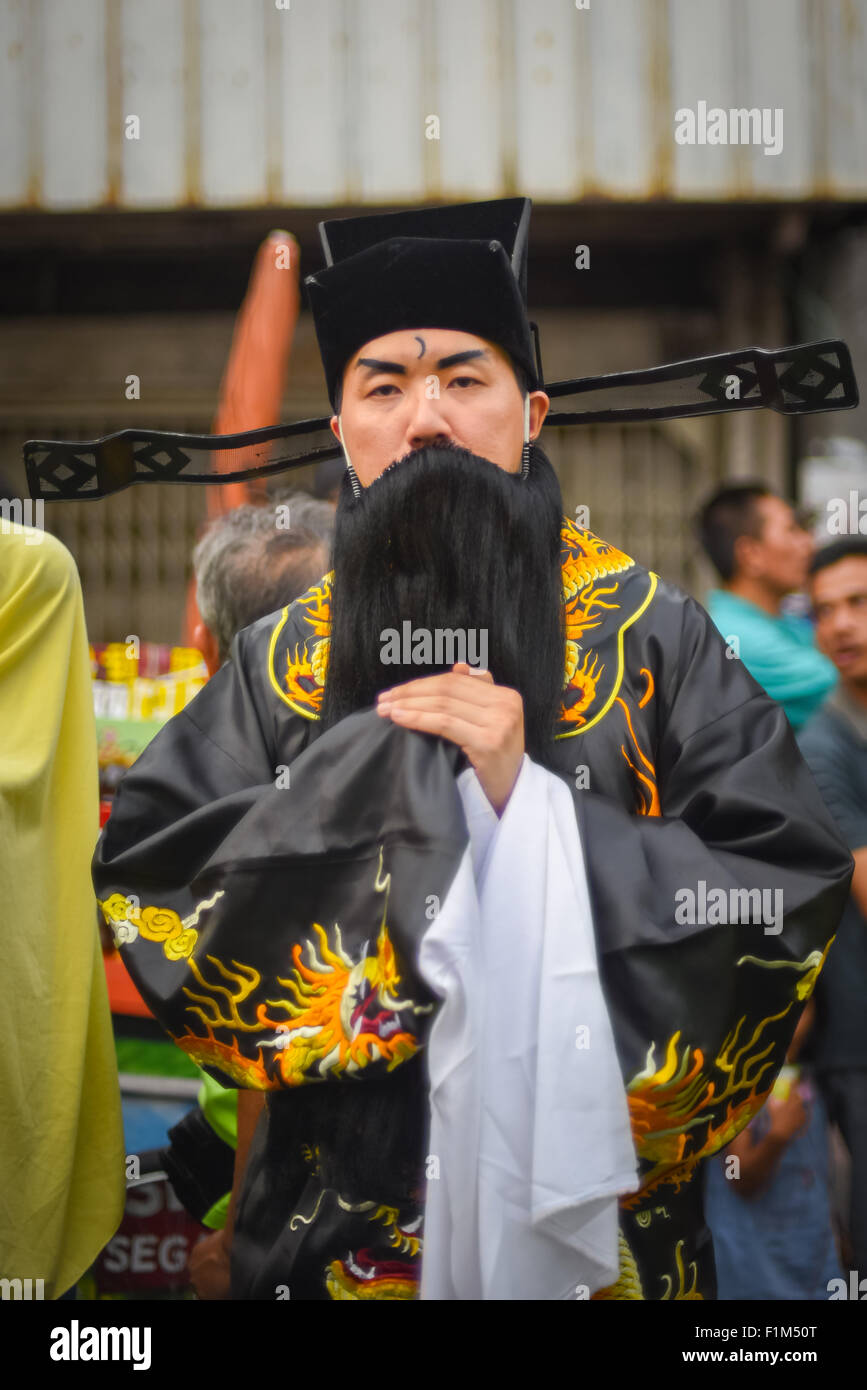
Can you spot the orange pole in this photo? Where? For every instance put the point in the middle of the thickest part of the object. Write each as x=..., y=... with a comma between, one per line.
x=256, y=370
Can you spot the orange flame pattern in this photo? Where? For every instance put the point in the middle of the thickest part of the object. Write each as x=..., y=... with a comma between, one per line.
x=339, y=1014
x=668, y=1102
x=647, y=791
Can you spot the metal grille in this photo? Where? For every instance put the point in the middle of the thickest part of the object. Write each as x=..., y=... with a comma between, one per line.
x=641, y=487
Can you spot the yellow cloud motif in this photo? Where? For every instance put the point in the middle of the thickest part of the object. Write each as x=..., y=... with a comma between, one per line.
x=128, y=920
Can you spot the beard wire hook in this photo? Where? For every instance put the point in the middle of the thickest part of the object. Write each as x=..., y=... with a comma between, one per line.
x=356, y=486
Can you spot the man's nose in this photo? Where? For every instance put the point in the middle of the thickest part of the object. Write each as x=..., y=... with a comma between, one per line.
x=840, y=622
x=427, y=422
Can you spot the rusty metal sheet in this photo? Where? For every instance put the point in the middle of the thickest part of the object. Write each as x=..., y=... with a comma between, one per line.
x=308, y=102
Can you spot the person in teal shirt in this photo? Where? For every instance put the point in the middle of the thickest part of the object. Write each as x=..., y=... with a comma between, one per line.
x=761, y=553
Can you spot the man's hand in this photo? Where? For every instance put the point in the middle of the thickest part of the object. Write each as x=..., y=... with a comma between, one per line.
x=209, y=1266
x=787, y=1116
x=466, y=706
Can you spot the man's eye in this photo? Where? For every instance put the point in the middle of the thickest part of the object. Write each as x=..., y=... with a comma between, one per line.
x=464, y=381
x=387, y=386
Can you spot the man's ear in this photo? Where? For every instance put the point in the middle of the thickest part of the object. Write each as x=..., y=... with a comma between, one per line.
x=817, y=637
x=335, y=428
x=204, y=639
x=747, y=557
x=539, y=404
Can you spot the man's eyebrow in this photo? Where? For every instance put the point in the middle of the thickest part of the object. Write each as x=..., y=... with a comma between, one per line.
x=457, y=357
x=373, y=364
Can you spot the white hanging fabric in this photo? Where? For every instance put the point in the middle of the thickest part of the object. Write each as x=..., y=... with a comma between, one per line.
x=530, y=1140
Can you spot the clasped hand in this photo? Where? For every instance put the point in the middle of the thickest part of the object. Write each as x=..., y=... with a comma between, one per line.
x=467, y=707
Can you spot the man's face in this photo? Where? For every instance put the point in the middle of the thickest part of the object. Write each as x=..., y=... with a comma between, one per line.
x=779, y=556
x=432, y=386
x=839, y=596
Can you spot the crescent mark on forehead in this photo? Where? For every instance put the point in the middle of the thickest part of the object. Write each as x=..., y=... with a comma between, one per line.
x=422, y=342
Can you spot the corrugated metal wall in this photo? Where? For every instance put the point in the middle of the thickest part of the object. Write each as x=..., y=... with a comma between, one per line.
x=240, y=102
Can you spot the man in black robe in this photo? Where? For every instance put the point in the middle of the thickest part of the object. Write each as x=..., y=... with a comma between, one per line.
x=278, y=859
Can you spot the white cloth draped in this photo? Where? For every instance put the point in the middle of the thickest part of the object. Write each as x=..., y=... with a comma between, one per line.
x=530, y=1139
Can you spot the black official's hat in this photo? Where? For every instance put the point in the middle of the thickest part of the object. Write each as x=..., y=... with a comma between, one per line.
x=461, y=267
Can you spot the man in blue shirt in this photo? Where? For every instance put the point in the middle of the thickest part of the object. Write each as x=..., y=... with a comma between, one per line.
x=767, y=1197
x=834, y=744
x=761, y=553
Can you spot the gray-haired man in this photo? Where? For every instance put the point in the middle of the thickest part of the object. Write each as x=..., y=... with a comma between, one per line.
x=253, y=561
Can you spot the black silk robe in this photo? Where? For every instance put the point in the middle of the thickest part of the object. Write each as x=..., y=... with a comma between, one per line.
x=270, y=886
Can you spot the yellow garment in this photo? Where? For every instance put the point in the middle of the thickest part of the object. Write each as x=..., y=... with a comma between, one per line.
x=61, y=1140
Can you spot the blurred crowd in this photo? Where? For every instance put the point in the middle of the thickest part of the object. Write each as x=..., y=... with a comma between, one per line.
x=787, y=1200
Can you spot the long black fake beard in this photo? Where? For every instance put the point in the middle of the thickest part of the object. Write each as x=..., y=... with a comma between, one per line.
x=447, y=540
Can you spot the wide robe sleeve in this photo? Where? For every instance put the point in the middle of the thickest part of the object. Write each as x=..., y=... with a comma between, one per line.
x=270, y=884
x=191, y=786
x=714, y=916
